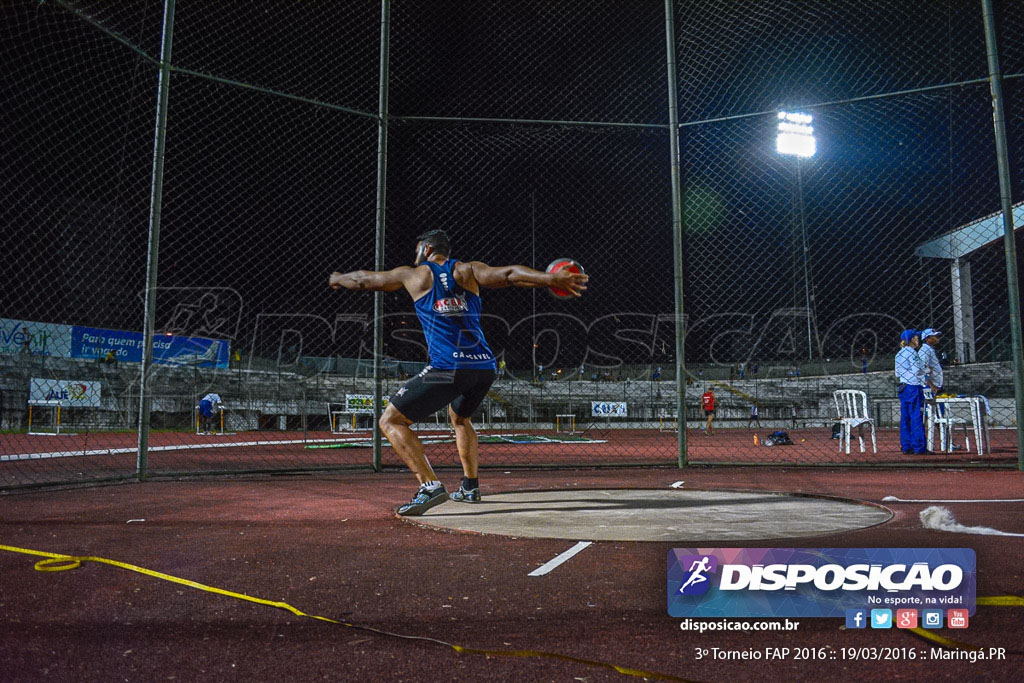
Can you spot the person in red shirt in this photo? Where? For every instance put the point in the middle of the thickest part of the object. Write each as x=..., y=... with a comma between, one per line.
x=708, y=403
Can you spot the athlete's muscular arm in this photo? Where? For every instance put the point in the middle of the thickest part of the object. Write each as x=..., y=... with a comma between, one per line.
x=383, y=281
x=494, y=277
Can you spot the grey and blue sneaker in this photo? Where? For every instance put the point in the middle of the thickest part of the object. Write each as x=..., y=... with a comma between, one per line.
x=464, y=495
x=423, y=500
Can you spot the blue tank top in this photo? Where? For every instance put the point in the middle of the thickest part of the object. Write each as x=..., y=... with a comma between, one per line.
x=450, y=316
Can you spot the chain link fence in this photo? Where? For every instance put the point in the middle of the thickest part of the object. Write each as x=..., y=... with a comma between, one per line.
x=528, y=131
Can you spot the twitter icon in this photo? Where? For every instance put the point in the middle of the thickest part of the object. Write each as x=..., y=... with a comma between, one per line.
x=881, y=618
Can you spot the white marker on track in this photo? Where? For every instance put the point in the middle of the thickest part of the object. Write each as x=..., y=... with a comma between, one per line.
x=551, y=564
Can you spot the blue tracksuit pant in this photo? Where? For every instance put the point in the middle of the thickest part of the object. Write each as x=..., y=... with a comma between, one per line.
x=911, y=421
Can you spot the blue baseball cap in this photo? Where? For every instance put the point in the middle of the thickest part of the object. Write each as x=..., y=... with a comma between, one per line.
x=908, y=335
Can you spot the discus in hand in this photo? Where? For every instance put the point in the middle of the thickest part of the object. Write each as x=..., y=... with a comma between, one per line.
x=558, y=265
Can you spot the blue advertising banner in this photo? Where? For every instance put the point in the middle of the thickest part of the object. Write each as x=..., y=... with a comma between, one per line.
x=91, y=342
x=818, y=582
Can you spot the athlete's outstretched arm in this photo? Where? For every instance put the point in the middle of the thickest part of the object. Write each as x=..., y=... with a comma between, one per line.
x=384, y=281
x=495, y=277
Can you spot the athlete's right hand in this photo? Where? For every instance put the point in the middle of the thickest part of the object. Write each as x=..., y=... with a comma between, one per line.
x=570, y=281
x=335, y=280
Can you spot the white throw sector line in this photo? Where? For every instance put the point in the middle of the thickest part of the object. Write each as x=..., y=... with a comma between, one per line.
x=551, y=564
x=894, y=499
x=941, y=519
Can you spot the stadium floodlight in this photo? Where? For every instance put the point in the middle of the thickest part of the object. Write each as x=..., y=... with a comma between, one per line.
x=796, y=135
x=795, y=138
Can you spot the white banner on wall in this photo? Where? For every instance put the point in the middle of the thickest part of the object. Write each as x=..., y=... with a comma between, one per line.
x=37, y=339
x=67, y=392
x=608, y=408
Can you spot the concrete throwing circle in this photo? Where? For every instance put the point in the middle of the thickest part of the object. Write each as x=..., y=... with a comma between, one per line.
x=655, y=515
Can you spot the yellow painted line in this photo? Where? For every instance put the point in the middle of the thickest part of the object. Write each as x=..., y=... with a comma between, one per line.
x=1001, y=601
x=55, y=562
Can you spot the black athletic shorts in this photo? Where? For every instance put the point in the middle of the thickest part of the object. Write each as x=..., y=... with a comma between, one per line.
x=433, y=389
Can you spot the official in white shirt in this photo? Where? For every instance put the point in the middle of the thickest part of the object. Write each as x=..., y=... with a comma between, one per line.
x=911, y=376
x=932, y=367
x=208, y=406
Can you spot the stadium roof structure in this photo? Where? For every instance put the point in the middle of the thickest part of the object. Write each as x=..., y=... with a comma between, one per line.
x=955, y=246
x=970, y=237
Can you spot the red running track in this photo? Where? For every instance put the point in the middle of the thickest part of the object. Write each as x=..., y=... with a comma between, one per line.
x=27, y=459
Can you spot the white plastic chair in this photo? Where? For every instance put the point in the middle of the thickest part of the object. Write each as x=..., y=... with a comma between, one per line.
x=940, y=416
x=852, y=407
x=944, y=416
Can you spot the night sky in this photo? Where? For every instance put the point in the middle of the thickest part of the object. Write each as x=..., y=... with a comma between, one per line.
x=264, y=196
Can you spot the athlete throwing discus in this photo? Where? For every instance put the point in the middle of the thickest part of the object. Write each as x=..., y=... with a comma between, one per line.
x=446, y=294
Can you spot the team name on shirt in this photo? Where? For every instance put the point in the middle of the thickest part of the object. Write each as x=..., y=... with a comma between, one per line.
x=452, y=305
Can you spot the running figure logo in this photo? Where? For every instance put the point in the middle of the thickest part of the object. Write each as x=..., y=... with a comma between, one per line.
x=697, y=581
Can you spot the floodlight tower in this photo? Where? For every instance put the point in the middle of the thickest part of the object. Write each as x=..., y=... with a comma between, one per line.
x=796, y=138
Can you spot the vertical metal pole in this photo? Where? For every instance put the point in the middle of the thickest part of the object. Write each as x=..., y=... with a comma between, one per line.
x=677, y=228
x=153, y=251
x=1002, y=159
x=533, y=290
x=803, y=240
x=378, y=262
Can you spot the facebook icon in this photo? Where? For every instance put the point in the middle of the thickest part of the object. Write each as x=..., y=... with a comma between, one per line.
x=856, y=618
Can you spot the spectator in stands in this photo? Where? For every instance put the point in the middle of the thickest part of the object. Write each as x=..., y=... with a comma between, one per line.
x=26, y=345
x=209, y=406
x=910, y=373
x=582, y=369
x=110, y=358
x=792, y=414
x=864, y=360
x=657, y=374
x=501, y=369
x=708, y=403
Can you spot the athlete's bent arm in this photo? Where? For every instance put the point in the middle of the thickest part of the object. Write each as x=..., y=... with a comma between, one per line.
x=495, y=277
x=383, y=281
